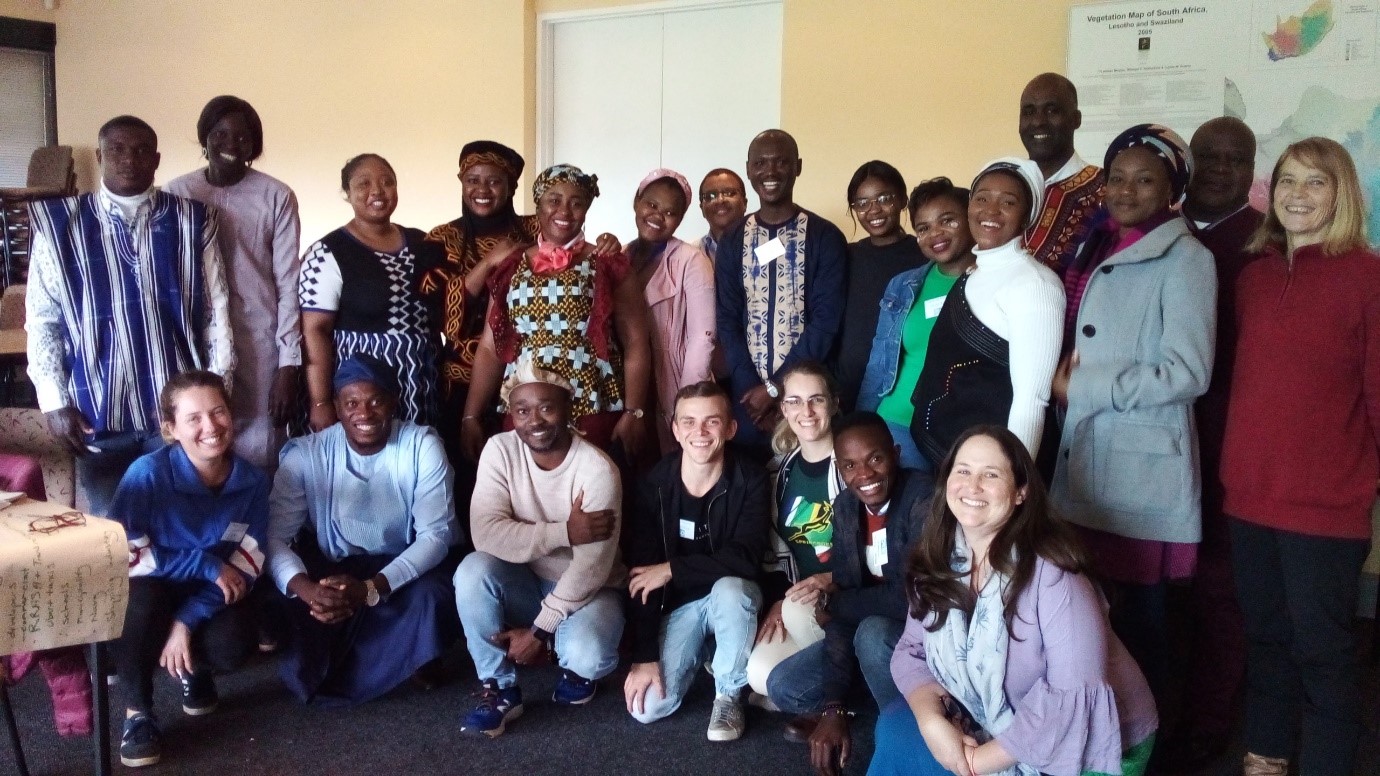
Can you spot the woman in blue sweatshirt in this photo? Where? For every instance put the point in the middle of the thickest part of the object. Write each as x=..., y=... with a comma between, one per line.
x=196, y=516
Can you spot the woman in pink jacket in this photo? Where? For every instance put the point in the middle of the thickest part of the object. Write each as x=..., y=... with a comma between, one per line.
x=679, y=286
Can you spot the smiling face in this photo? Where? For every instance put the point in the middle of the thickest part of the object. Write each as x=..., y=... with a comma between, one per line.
x=1137, y=186
x=722, y=201
x=366, y=413
x=878, y=207
x=1049, y=117
x=867, y=460
x=372, y=191
x=541, y=416
x=561, y=212
x=484, y=188
x=773, y=164
x=230, y=144
x=1304, y=200
x=941, y=228
x=981, y=490
x=807, y=406
x=201, y=424
x=1224, y=168
x=658, y=211
x=128, y=158
x=997, y=210
x=703, y=425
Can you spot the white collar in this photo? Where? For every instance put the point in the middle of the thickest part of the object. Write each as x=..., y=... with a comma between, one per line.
x=1207, y=226
x=127, y=206
x=1002, y=255
x=1072, y=167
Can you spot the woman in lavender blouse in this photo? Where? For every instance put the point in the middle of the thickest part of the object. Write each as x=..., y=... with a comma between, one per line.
x=1008, y=664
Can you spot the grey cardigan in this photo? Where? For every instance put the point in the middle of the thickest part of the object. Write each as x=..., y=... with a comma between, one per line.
x=1128, y=453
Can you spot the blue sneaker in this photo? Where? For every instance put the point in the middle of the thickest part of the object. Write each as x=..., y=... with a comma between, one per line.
x=573, y=689
x=496, y=708
x=140, y=743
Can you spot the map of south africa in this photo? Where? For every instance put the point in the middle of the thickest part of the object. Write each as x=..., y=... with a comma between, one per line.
x=1298, y=35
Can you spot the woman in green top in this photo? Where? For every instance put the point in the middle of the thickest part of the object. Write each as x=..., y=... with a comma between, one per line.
x=910, y=306
x=806, y=483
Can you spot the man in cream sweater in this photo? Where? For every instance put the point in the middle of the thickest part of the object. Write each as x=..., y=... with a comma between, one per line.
x=545, y=574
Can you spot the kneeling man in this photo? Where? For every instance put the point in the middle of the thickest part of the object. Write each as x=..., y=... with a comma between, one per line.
x=361, y=519
x=695, y=545
x=545, y=572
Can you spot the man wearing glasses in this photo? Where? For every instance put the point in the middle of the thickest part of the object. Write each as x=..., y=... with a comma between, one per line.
x=723, y=202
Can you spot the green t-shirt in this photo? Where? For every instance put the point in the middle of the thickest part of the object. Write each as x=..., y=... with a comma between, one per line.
x=915, y=341
x=806, y=519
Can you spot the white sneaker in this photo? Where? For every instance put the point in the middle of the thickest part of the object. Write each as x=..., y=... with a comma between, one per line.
x=726, y=719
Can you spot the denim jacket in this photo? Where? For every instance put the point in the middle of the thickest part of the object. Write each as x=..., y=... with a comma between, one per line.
x=885, y=360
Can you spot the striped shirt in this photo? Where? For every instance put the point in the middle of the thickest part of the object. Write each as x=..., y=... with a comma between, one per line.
x=118, y=305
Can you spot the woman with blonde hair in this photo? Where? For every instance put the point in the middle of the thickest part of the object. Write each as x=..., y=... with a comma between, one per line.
x=1299, y=463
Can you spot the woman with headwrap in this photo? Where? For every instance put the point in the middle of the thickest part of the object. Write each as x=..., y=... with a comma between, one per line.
x=573, y=312
x=1142, y=292
x=993, y=349
x=678, y=283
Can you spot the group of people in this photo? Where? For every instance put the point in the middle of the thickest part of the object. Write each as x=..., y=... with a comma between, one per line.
x=963, y=464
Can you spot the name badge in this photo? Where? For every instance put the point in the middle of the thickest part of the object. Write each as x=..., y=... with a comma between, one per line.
x=768, y=252
x=687, y=529
x=933, y=306
x=234, y=532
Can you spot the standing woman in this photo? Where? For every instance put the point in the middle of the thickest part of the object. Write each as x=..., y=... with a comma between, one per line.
x=572, y=311
x=1141, y=339
x=994, y=348
x=678, y=283
x=259, y=241
x=1300, y=461
x=359, y=294
x=197, y=519
x=877, y=200
x=910, y=307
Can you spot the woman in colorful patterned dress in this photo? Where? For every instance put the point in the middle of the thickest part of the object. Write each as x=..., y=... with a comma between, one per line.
x=573, y=312
x=359, y=295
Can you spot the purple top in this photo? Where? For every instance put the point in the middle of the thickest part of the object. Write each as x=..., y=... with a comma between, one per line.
x=1079, y=698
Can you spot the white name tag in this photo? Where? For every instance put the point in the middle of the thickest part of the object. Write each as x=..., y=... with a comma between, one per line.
x=933, y=306
x=234, y=532
x=769, y=252
x=687, y=529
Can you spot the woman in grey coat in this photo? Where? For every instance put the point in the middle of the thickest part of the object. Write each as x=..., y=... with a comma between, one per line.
x=1139, y=340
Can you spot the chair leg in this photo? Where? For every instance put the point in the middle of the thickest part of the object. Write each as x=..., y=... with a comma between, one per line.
x=101, y=712
x=7, y=711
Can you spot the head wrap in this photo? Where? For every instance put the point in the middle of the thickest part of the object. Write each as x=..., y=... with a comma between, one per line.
x=1025, y=170
x=490, y=152
x=660, y=173
x=565, y=173
x=526, y=372
x=1164, y=143
x=362, y=367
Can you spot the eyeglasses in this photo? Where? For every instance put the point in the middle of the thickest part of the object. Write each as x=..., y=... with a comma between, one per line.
x=796, y=403
x=714, y=196
x=861, y=204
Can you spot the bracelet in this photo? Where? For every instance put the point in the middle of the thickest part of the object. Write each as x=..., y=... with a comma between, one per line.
x=837, y=709
x=469, y=417
x=319, y=403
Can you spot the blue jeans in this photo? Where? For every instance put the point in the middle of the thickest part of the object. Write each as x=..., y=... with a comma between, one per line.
x=99, y=474
x=910, y=453
x=729, y=615
x=493, y=595
x=900, y=749
x=799, y=684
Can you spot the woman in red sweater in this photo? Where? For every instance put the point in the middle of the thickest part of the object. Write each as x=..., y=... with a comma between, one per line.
x=1300, y=461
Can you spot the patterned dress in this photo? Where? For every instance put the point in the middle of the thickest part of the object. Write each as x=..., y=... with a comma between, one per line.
x=373, y=295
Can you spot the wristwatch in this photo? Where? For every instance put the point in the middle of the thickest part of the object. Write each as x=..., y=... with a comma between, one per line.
x=772, y=390
x=371, y=593
x=637, y=413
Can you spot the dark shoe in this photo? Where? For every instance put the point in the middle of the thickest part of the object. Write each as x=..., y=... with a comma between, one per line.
x=1190, y=753
x=199, y=693
x=798, y=730
x=430, y=676
x=496, y=708
x=573, y=689
x=140, y=743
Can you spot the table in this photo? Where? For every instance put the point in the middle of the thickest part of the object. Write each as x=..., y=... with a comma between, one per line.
x=14, y=344
x=64, y=581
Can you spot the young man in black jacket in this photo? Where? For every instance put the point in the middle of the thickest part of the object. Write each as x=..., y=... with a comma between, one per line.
x=696, y=541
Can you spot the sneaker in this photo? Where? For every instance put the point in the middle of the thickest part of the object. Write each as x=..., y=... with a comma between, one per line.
x=496, y=708
x=573, y=689
x=1259, y=765
x=140, y=743
x=726, y=719
x=199, y=693
x=761, y=701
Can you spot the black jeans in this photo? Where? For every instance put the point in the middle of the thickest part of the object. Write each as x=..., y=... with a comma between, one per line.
x=221, y=643
x=1298, y=594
